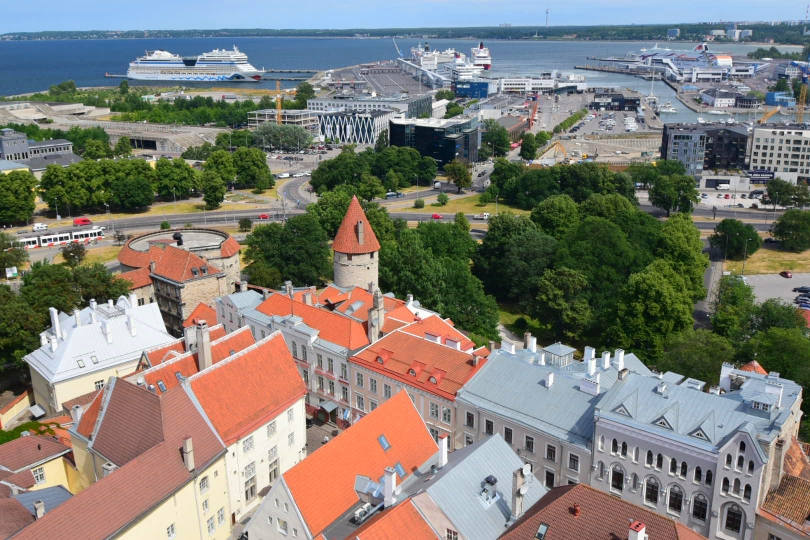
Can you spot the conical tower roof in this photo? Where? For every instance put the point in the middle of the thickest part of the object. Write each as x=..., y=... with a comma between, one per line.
x=355, y=235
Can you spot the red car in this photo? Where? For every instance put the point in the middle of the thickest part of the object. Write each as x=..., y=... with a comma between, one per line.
x=785, y=274
x=437, y=216
x=727, y=196
x=264, y=216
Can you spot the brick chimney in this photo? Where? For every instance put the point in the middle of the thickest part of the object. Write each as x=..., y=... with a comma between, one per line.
x=188, y=454
x=360, y=232
x=204, y=356
x=518, y=491
x=577, y=510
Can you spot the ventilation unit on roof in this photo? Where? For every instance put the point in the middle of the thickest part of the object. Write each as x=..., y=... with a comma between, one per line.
x=108, y=468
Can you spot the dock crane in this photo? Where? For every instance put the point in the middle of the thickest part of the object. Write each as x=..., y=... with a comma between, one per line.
x=397, y=48
x=768, y=114
x=279, y=102
x=800, y=103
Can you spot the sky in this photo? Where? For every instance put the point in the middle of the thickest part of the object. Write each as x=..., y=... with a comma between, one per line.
x=42, y=15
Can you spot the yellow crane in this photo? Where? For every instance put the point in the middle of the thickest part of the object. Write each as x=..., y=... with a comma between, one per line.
x=768, y=114
x=800, y=104
x=558, y=146
x=279, y=100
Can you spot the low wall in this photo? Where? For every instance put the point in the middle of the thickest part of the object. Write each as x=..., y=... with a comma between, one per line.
x=18, y=405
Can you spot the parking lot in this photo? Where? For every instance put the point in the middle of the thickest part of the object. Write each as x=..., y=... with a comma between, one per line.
x=775, y=286
x=609, y=123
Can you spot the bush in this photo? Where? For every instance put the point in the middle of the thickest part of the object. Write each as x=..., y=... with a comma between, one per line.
x=485, y=198
x=188, y=225
x=245, y=224
x=521, y=323
x=419, y=203
x=165, y=225
x=443, y=199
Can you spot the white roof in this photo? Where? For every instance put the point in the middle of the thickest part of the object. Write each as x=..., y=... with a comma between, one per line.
x=84, y=348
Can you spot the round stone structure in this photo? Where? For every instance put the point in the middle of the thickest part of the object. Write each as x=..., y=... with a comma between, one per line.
x=355, y=250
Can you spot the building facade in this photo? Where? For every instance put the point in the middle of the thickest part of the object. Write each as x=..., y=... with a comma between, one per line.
x=289, y=117
x=443, y=140
x=409, y=106
x=706, y=147
x=354, y=126
x=782, y=149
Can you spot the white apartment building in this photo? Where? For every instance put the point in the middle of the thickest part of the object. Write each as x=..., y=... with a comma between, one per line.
x=783, y=149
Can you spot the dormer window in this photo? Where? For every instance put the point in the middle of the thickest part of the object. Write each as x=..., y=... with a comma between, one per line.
x=412, y=372
x=432, y=379
x=381, y=361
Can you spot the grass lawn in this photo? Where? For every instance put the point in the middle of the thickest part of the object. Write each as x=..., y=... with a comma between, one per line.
x=468, y=204
x=771, y=260
x=101, y=255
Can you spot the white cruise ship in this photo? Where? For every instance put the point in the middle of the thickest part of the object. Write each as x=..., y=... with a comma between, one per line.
x=217, y=65
x=481, y=57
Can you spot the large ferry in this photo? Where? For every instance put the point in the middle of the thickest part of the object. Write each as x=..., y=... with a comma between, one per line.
x=481, y=56
x=217, y=65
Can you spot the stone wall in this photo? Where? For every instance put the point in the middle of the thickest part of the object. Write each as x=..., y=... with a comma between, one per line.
x=355, y=270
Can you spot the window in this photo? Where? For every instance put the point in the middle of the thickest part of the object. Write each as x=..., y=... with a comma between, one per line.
x=221, y=516
x=468, y=440
x=319, y=360
x=330, y=365
x=446, y=415
x=386, y=391
x=344, y=393
x=273, y=469
x=489, y=427
x=683, y=469
x=747, y=493
x=434, y=433
x=434, y=411
x=372, y=385
x=634, y=482
x=170, y=532
x=659, y=462
x=247, y=444
x=734, y=519
x=624, y=449
x=602, y=442
x=250, y=481
x=728, y=460
x=617, y=478
x=211, y=526
x=282, y=526
x=700, y=507
x=271, y=429
x=39, y=475
x=549, y=479
x=742, y=446
x=651, y=491
x=320, y=383
x=600, y=471
x=507, y=435
x=451, y=535
x=698, y=475
x=372, y=404
x=361, y=402
x=725, y=485
x=331, y=387
x=344, y=372
x=673, y=466
x=290, y=415
x=99, y=384
x=470, y=420
x=304, y=354
x=649, y=458
x=636, y=452
x=204, y=484
x=291, y=439
x=740, y=462
x=708, y=478
x=551, y=452
x=774, y=537
x=294, y=349
x=359, y=380
x=573, y=462
x=675, y=499
x=737, y=485
x=529, y=446
x=614, y=447
x=295, y=531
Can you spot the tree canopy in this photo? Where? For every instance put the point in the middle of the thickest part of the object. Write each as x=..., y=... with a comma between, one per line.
x=17, y=196
x=735, y=239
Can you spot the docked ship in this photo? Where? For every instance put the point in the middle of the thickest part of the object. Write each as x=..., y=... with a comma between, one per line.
x=217, y=65
x=481, y=57
x=431, y=60
x=461, y=69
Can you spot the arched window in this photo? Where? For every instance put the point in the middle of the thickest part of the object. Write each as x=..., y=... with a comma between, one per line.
x=683, y=469
x=649, y=458
x=304, y=354
x=734, y=519
x=728, y=460
x=601, y=442
x=675, y=499
x=673, y=466
x=636, y=452
x=634, y=482
x=294, y=349
x=724, y=487
x=751, y=467
x=698, y=475
x=740, y=462
x=708, y=478
x=617, y=478
x=700, y=507
x=737, y=485
x=747, y=493
x=659, y=461
x=624, y=449
x=601, y=471
x=651, y=490
x=742, y=446
x=614, y=447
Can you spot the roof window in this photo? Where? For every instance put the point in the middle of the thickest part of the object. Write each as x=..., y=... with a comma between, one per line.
x=161, y=385
x=384, y=443
x=400, y=470
x=80, y=362
x=541, y=531
x=432, y=379
x=412, y=372
x=94, y=359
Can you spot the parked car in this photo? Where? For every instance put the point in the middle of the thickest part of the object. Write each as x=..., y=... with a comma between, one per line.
x=802, y=289
x=484, y=216
x=727, y=196
x=264, y=216
x=770, y=240
x=704, y=196
x=81, y=222
x=394, y=195
x=436, y=216
x=785, y=274
x=39, y=227
x=482, y=173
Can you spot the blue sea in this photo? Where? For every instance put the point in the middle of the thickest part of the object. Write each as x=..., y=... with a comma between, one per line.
x=30, y=66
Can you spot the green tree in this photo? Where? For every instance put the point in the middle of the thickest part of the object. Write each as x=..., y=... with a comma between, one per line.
x=698, y=354
x=20, y=326
x=528, y=146
x=679, y=244
x=733, y=309
x=245, y=224
x=221, y=163
x=261, y=275
x=11, y=253
x=801, y=195
x=382, y=141
x=776, y=313
x=123, y=88
x=123, y=147
x=676, y=192
x=782, y=85
x=17, y=197
x=213, y=188
x=462, y=223
x=561, y=301
x=419, y=203
x=556, y=215
x=735, y=239
x=487, y=262
x=199, y=153
x=496, y=137
x=94, y=282
x=50, y=285
x=643, y=173
x=793, y=230
x=784, y=350
x=393, y=180
x=74, y=254
x=94, y=149
x=174, y=179
x=442, y=199
x=526, y=258
x=780, y=192
x=453, y=109
x=132, y=193
x=251, y=168
x=503, y=171
x=445, y=94
x=607, y=206
x=303, y=93
x=165, y=225
x=459, y=174
x=484, y=153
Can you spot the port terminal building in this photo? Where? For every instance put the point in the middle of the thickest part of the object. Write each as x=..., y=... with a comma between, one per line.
x=442, y=139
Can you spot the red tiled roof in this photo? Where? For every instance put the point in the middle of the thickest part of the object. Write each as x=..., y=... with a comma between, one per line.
x=797, y=462
x=438, y=327
x=400, y=521
x=25, y=451
x=249, y=388
x=230, y=247
x=323, y=491
x=5, y=491
x=23, y=479
x=163, y=353
x=602, y=517
x=117, y=500
x=177, y=264
x=402, y=352
x=59, y=426
x=83, y=401
x=203, y=312
x=13, y=517
x=139, y=259
x=139, y=278
x=87, y=423
x=789, y=504
x=754, y=366
x=216, y=332
x=346, y=239
x=331, y=326
x=343, y=302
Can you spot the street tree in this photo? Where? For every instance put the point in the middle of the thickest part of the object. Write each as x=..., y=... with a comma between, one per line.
x=213, y=188
x=556, y=215
x=780, y=192
x=442, y=199
x=20, y=326
x=561, y=301
x=458, y=173
x=462, y=223
x=735, y=239
x=245, y=224
x=487, y=262
x=251, y=168
x=93, y=281
x=11, y=253
x=221, y=163
x=17, y=196
x=733, y=307
x=528, y=146
x=74, y=253
x=95, y=149
x=676, y=192
x=496, y=137
x=776, y=313
x=123, y=147
x=792, y=229
x=174, y=179
x=382, y=141
x=679, y=244
x=132, y=193
x=607, y=206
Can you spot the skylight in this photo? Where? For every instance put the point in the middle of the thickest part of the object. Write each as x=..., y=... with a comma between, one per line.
x=400, y=470
x=541, y=531
x=384, y=443
x=161, y=386
x=80, y=362
x=94, y=359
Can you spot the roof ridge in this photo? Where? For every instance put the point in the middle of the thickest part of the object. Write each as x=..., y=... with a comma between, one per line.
x=241, y=329
x=169, y=362
x=235, y=356
x=163, y=346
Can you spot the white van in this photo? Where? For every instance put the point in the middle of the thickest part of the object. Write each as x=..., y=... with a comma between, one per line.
x=723, y=187
x=283, y=175
x=39, y=227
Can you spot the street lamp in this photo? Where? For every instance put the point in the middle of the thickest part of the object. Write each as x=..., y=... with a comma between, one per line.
x=745, y=254
x=175, y=201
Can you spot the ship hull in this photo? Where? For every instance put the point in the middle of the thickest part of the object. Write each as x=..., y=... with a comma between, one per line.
x=199, y=77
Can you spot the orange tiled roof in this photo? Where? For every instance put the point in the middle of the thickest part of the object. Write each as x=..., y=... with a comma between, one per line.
x=163, y=353
x=83, y=401
x=249, y=388
x=754, y=366
x=789, y=503
x=402, y=352
x=331, y=326
x=323, y=492
x=203, y=312
x=139, y=278
x=25, y=451
x=438, y=327
x=23, y=479
x=346, y=239
x=357, y=301
x=400, y=521
x=88, y=421
x=230, y=247
x=797, y=462
x=178, y=265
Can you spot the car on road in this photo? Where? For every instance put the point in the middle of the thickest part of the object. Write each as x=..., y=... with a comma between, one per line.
x=802, y=289
x=81, y=221
x=770, y=240
x=785, y=274
x=298, y=175
x=394, y=195
x=719, y=195
x=284, y=175
x=482, y=173
x=704, y=196
x=436, y=216
x=727, y=196
x=264, y=216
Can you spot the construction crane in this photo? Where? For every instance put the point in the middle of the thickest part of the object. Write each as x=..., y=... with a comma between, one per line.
x=397, y=48
x=768, y=114
x=279, y=102
x=805, y=69
x=558, y=146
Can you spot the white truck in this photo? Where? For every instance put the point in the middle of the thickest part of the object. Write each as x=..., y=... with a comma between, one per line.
x=484, y=216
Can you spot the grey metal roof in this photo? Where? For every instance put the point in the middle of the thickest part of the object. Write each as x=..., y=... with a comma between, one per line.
x=245, y=300
x=559, y=349
x=40, y=163
x=6, y=165
x=513, y=386
x=458, y=491
x=51, y=497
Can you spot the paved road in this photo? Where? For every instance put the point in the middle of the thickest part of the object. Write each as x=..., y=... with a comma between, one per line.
x=775, y=286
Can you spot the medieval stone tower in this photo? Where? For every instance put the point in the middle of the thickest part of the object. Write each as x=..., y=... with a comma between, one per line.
x=356, y=250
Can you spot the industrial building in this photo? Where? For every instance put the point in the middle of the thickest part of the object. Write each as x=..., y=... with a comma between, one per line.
x=409, y=106
x=783, y=150
x=705, y=147
x=615, y=102
x=443, y=140
x=290, y=117
x=35, y=155
x=475, y=88
x=360, y=127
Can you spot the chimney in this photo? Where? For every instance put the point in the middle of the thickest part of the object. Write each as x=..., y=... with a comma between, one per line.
x=623, y=374
x=131, y=325
x=43, y=340
x=56, y=328
x=443, y=444
x=53, y=341
x=779, y=464
x=133, y=300
x=152, y=388
x=243, y=286
x=577, y=510
x=491, y=346
x=526, y=337
x=508, y=346
x=638, y=531
x=619, y=359
x=389, y=486
x=476, y=360
x=518, y=490
x=106, y=330
x=93, y=304
x=39, y=509
x=288, y=289
x=542, y=359
x=774, y=389
x=714, y=390
x=178, y=239
x=606, y=360
x=152, y=267
x=360, y=232
x=590, y=360
x=77, y=318
x=409, y=300
x=204, y=357
x=308, y=299
x=265, y=294
x=188, y=454
x=110, y=305
x=76, y=414
x=370, y=287
x=550, y=380
x=93, y=319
